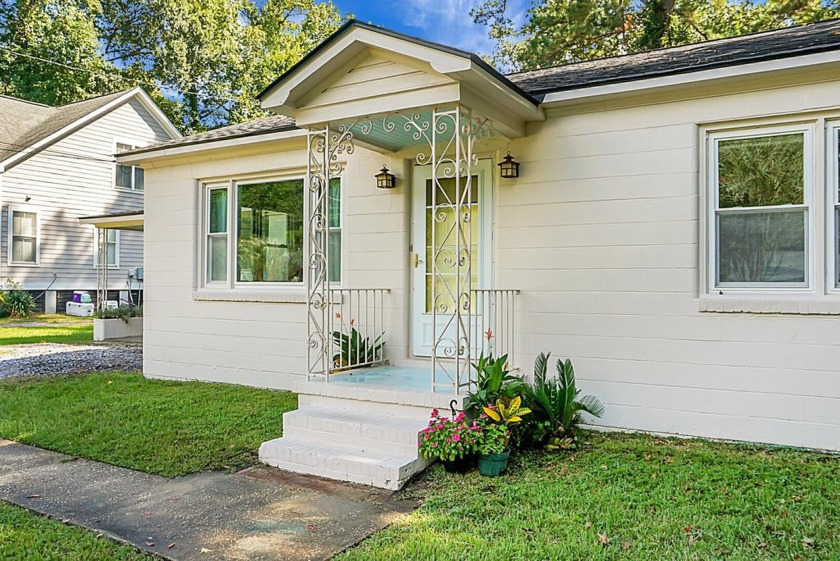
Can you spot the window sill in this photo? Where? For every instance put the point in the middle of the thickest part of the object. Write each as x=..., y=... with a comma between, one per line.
x=803, y=305
x=295, y=296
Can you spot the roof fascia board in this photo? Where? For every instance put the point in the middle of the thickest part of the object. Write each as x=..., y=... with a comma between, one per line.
x=115, y=222
x=587, y=93
x=206, y=145
x=67, y=130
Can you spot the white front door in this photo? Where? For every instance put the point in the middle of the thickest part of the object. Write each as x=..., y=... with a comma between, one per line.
x=423, y=248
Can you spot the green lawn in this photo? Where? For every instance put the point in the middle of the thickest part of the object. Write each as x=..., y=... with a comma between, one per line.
x=53, y=328
x=25, y=536
x=627, y=497
x=161, y=427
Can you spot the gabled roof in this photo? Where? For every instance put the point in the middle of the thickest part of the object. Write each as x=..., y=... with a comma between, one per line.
x=27, y=128
x=356, y=24
x=768, y=45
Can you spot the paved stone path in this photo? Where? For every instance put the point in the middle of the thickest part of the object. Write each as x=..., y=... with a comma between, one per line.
x=258, y=514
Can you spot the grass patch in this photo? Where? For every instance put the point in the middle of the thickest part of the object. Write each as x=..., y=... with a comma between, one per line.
x=51, y=319
x=11, y=334
x=627, y=497
x=28, y=536
x=161, y=427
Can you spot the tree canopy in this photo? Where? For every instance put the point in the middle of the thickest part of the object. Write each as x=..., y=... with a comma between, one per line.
x=562, y=31
x=203, y=61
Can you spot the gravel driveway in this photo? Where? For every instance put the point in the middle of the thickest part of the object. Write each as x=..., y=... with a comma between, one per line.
x=54, y=358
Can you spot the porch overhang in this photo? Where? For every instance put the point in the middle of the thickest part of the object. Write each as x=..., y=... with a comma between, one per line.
x=116, y=221
x=363, y=72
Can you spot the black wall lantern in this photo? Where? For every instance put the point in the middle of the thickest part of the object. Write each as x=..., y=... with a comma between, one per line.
x=385, y=179
x=509, y=167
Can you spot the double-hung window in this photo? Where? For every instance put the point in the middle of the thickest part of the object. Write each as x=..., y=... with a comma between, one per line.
x=761, y=200
x=112, y=249
x=23, y=237
x=254, y=232
x=127, y=176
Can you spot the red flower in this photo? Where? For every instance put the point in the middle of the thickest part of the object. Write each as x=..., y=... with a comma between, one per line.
x=488, y=334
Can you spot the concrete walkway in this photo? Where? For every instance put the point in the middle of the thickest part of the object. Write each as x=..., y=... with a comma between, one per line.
x=258, y=514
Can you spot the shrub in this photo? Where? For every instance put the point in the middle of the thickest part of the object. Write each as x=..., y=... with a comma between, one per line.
x=15, y=302
x=493, y=382
x=555, y=404
x=448, y=439
x=124, y=312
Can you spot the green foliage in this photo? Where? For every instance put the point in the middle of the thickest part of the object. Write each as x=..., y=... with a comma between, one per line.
x=355, y=349
x=81, y=332
x=761, y=171
x=493, y=437
x=27, y=536
x=124, y=312
x=555, y=404
x=161, y=427
x=493, y=382
x=562, y=31
x=14, y=302
x=207, y=59
x=651, y=498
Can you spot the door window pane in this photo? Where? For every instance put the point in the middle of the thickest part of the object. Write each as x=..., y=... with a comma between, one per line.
x=442, y=242
x=270, y=232
x=762, y=247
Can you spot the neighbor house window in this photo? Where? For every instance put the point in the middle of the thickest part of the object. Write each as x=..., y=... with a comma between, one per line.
x=254, y=232
x=126, y=176
x=761, y=192
x=113, y=248
x=23, y=236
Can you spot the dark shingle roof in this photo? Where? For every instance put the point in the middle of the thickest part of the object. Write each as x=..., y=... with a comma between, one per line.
x=23, y=123
x=265, y=125
x=768, y=45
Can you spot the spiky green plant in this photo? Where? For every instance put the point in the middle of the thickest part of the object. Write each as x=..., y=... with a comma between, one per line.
x=556, y=404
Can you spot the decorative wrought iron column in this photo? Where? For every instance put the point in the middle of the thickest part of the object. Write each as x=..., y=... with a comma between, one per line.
x=451, y=135
x=325, y=147
x=101, y=268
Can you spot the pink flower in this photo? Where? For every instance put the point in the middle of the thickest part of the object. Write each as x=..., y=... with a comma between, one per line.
x=460, y=417
x=434, y=444
x=456, y=437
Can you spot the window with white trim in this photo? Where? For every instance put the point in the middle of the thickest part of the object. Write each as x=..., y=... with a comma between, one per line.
x=128, y=176
x=23, y=237
x=253, y=232
x=761, y=201
x=113, y=248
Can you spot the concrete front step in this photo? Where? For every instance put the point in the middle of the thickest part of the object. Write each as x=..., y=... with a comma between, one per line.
x=346, y=462
x=387, y=433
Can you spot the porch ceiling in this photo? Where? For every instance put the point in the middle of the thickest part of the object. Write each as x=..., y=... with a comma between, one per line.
x=365, y=73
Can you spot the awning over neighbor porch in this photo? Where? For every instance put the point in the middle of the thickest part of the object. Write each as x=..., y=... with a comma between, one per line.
x=132, y=220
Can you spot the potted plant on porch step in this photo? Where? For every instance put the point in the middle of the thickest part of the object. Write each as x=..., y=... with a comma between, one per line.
x=452, y=441
x=493, y=442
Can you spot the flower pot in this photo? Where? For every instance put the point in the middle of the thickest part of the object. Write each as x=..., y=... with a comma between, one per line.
x=460, y=465
x=493, y=465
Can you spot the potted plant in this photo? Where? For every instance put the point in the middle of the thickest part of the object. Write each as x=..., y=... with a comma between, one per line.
x=494, y=437
x=452, y=441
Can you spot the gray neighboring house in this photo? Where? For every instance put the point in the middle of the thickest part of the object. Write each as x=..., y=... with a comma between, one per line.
x=57, y=165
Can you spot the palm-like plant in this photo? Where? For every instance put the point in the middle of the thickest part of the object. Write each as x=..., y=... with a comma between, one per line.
x=355, y=349
x=557, y=409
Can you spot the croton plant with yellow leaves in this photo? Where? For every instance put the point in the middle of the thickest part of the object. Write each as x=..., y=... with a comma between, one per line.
x=496, y=422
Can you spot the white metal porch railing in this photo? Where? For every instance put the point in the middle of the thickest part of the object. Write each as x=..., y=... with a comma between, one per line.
x=355, y=328
x=494, y=323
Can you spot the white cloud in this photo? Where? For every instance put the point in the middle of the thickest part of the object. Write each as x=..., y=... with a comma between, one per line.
x=449, y=22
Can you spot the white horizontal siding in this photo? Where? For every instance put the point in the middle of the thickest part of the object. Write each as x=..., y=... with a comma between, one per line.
x=600, y=234
x=63, y=189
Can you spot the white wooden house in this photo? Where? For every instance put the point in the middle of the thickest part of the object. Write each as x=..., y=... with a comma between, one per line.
x=57, y=165
x=672, y=228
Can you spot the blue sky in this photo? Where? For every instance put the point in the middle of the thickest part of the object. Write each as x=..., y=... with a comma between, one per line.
x=442, y=21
